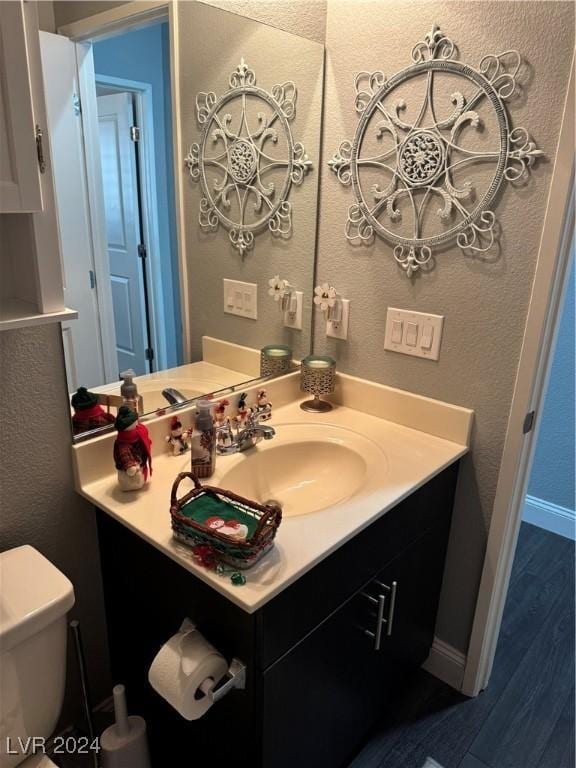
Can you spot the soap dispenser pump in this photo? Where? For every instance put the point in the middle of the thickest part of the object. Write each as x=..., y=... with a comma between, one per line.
x=129, y=390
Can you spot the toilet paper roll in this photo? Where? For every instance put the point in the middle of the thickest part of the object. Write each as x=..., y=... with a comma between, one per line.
x=185, y=669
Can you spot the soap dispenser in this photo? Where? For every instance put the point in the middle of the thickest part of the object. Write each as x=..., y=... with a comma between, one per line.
x=204, y=440
x=129, y=390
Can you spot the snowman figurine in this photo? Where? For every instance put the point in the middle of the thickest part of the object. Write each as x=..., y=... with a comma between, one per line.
x=232, y=528
x=132, y=450
x=243, y=413
x=223, y=436
x=179, y=438
x=263, y=405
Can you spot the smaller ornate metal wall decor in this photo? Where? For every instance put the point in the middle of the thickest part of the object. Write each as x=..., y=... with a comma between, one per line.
x=247, y=144
x=414, y=145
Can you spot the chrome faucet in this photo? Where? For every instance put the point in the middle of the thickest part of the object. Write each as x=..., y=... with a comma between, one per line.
x=244, y=438
x=173, y=396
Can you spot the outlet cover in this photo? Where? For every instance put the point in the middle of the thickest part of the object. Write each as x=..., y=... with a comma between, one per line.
x=241, y=298
x=294, y=319
x=339, y=330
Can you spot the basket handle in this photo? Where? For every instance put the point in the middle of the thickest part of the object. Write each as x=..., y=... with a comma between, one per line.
x=179, y=478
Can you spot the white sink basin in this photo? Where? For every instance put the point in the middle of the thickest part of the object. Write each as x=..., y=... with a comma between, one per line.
x=305, y=468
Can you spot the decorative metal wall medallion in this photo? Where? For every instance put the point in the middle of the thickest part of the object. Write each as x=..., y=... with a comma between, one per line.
x=420, y=134
x=246, y=159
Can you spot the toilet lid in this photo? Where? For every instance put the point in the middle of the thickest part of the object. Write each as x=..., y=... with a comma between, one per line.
x=34, y=593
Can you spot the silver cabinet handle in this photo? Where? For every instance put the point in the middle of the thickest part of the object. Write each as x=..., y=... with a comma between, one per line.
x=391, y=605
x=377, y=635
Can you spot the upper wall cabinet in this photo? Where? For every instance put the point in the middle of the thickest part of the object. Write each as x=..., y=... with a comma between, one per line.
x=31, y=279
x=20, y=186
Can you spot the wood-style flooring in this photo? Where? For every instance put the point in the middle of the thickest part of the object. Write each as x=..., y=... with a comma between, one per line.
x=525, y=717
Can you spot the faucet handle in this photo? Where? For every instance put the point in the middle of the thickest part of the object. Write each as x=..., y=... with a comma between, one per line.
x=257, y=417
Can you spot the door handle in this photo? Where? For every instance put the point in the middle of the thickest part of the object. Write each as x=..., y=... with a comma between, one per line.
x=377, y=634
x=40, y=149
x=392, y=590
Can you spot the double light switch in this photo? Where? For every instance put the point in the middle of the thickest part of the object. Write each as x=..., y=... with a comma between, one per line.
x=413, y=333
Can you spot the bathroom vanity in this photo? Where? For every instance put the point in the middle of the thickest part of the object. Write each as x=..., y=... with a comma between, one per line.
x=331, y=621
x=315, y=679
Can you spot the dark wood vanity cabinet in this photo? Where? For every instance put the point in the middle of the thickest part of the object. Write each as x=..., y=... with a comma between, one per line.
x=316, y=679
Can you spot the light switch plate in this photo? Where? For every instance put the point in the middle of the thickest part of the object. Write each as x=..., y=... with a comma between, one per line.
x=413, y=333
x=241, y=298
x=294, y=319
x=339, y=330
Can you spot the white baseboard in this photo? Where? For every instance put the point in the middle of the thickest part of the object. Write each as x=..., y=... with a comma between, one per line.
x=446, y=663
x=551, y=517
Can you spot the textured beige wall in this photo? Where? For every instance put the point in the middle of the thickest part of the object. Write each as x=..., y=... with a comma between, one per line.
x=484, y=300
x=302, y=17
x=212, y=43
x=38, y=504
x=67, y=11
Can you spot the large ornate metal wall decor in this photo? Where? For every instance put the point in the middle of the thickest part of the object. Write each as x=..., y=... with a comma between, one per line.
x=421, y=133
x=247, y=160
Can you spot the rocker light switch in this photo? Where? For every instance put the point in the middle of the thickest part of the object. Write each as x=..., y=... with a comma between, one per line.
x=397, y=330
x=427, y=337
x=413, y=333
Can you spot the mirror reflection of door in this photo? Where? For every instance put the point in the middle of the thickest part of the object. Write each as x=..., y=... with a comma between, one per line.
x=123, y=231
x=83, y=348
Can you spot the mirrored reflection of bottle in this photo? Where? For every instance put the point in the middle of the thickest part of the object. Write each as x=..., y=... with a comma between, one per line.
x=129, y=390
x=204, y=440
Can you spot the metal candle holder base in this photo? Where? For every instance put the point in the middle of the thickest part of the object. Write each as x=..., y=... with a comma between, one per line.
x=316, y=405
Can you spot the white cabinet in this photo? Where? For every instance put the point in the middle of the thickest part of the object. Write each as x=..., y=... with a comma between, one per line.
x=20, y=188
x=31, y=274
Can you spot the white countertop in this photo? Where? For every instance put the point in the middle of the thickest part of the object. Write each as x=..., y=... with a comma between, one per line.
x=410, y=458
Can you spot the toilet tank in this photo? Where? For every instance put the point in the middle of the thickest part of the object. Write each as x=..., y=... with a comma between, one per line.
x=34, y=599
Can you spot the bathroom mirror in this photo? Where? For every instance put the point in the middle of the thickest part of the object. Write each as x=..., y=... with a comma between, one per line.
x=187, y=199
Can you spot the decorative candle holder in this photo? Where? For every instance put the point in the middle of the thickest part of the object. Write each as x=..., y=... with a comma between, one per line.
x=275, y=360
x=317, y=377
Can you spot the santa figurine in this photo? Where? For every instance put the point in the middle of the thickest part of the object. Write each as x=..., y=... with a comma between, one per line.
x=132, y=450
x=232, y=528
x=179, y=438
x=88, y=413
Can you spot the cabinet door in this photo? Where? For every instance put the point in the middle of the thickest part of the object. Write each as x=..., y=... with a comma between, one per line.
x=19, y=172
x=322, y=697
x=411, y=586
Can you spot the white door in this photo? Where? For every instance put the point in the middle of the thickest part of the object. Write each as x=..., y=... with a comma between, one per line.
x=82, y=337
x=118, y=157
x=19, y=172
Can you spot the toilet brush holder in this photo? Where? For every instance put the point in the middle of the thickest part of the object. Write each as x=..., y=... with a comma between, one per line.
x=124, y=744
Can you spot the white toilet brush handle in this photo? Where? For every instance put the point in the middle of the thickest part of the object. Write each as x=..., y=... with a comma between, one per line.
x=120, y=710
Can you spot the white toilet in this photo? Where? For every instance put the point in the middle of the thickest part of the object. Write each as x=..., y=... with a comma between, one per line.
x=34, y=599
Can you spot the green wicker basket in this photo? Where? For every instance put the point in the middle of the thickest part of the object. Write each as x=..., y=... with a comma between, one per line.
x=201, y=516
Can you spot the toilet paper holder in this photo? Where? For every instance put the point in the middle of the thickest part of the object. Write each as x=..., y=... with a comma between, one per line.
x=236, y=679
